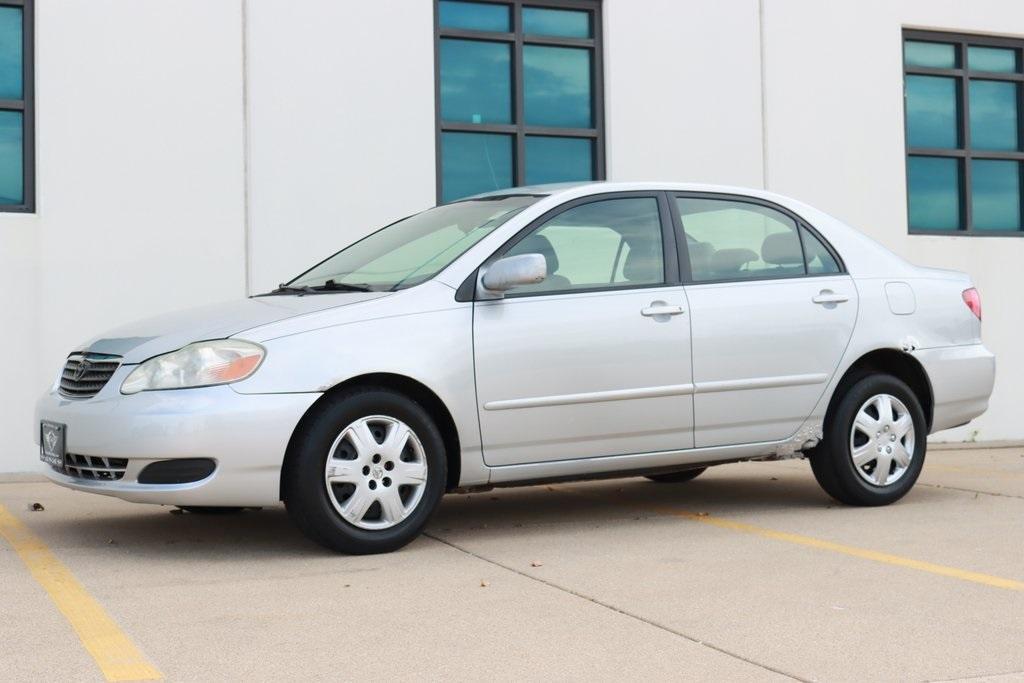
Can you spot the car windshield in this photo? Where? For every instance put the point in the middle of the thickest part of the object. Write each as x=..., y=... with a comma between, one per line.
x=412, y=250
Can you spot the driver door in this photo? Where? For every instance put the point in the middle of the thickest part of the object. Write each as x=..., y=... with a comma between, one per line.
x=595, y=360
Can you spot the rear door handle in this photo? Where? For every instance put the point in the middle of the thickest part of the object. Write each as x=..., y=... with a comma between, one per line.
x=827, y=296
x=660, y=308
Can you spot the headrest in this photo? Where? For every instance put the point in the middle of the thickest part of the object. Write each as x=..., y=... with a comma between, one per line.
x=643, y=262
x=731, y=260
x=782, y=249
x=539, y=244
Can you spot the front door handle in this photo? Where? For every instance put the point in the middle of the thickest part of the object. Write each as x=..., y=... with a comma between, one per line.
x=660, y=308
x=827, y=296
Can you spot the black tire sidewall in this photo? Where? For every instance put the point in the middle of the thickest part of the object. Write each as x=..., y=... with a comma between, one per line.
x=306, y=495
x=855, y=488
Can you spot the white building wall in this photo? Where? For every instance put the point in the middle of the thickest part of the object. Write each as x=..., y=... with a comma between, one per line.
x=140, y=186
x=160, y=188
x=683, y=91
x=834, y=117
x=341, y=125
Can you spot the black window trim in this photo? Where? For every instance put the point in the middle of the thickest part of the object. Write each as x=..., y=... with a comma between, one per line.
x=670, y=253
x=519, y=129
x=684, y=256
x=964, y=154
x=26, y=105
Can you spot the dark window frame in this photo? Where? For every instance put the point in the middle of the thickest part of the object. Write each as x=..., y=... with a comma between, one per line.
x=518, y=128
x=964, y=154
x=26, y=105
x=683, y=247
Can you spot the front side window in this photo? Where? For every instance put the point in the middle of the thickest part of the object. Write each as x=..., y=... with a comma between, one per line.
x=414, y=249
x=964, y=133
x=733, y=240
x=16, y=117
x=606, y=244
x=518, y=90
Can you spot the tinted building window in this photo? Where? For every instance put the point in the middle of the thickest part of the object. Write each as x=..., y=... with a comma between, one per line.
x=16, y=118
x=519, y=95
x=964, y=133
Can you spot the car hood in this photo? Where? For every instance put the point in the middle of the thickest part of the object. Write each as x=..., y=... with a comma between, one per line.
x=141, y=340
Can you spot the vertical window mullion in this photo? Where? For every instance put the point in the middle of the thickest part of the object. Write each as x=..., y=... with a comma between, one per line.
x=28, y=135
x=597, y=90
x=966, y=208
x=518, y=94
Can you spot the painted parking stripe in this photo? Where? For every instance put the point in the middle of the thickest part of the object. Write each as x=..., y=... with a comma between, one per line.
x=114, y=652
x=862, y=553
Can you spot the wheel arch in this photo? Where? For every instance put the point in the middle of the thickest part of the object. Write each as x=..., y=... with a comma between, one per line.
x=411, y=388
x=899, y=364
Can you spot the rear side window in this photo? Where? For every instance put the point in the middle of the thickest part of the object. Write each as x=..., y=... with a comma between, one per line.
x=819, y=259
x=735, y=240
x=730, y=240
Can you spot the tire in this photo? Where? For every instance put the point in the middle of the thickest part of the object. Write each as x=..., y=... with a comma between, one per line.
x=676, y=477
x=904, y=434
x=209, y=509
x=381, y=496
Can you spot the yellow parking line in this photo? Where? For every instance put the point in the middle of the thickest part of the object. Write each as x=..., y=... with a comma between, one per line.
x=863, y=553
x=115, y=654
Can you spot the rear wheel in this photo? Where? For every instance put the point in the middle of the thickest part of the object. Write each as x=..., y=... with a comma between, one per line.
x=676, y=477
x=874, y=445
x=367, y=471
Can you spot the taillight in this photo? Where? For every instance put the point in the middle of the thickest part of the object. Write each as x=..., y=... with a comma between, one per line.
x=973, y=301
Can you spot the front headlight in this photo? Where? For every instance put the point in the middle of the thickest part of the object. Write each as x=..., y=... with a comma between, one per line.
x=202, y=364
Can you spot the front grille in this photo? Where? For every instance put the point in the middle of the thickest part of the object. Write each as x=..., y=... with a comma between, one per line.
x=86, y=373
x=93, y=467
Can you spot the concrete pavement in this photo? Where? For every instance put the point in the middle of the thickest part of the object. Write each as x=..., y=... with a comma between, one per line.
x=747, y=573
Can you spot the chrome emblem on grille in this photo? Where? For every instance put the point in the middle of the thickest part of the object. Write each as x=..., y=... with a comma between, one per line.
x=51, y=441
x=82, y=368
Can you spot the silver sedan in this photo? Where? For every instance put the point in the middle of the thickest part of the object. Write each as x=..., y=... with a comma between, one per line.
x=533, y=334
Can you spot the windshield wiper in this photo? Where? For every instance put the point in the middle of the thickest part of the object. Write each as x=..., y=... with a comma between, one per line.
x=329, y=286
x=333, y=286
x=289, y=289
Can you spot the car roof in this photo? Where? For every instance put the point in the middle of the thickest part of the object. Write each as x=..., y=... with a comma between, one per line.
x=595, y=187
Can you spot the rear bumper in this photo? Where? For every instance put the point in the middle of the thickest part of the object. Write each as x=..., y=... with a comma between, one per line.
x=962, y=378
x=245, y=434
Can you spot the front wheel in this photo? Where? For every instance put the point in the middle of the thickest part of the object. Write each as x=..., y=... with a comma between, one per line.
x=366, y=471
x=874, y=444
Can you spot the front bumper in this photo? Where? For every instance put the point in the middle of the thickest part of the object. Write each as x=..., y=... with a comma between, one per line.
x=245, y=434
x=962, y=378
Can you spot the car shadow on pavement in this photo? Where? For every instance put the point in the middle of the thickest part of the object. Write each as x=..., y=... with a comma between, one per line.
x=735, y=493
x=268, y=533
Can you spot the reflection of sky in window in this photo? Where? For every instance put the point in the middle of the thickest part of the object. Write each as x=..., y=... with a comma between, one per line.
x=993, y=106
x=556, y=84
x=934, y=55
x=932, y=111
x=557, y=160
x=994, y=59
x=474, y=162
x=476, y=85
x=556, y=22
x=995, y=194
x=10, y=53
x=934, y=190
x=473, y=16
x=10, y=158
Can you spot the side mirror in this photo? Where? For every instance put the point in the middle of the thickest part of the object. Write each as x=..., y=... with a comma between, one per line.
x=512, y=271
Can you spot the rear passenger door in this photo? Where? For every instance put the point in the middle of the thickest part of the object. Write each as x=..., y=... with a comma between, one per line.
x=771, y=312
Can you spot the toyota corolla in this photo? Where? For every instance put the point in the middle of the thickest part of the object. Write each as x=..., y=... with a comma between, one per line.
x=529, y=335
